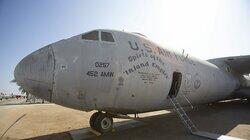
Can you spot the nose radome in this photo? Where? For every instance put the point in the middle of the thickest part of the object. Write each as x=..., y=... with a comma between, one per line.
x=35, y=73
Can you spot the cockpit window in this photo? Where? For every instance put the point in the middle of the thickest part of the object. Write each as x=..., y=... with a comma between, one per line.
x=91, y=36
x=107, y=37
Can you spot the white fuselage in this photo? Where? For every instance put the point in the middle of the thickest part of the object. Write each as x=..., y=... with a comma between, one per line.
x=130, y=75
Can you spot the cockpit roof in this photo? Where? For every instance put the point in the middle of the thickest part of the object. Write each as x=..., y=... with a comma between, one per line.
x=111, y=30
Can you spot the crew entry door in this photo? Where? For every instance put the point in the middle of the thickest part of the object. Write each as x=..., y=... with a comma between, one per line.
x=176, y=84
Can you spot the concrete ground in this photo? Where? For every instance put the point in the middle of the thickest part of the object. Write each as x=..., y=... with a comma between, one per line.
x=50, y=121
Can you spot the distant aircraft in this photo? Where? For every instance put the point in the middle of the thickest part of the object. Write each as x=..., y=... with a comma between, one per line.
x=5, y=96
x=118, y=73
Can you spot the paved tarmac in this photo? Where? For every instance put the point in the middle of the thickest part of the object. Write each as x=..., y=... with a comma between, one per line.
x=50, y=121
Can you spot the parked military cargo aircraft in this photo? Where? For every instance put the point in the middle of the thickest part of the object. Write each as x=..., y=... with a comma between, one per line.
x=119, y=73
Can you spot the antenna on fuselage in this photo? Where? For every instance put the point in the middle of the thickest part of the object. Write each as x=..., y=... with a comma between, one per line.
x=183, y=53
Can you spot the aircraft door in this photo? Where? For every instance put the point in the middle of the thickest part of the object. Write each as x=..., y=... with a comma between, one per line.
x=175, y=86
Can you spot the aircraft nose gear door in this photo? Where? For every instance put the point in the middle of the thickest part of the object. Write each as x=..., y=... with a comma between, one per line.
x=176, y=83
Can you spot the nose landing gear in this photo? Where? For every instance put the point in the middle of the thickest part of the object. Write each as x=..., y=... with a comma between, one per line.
x=101, y=122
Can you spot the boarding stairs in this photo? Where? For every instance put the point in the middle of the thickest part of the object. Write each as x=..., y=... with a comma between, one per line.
x=190, y=125
x=182, y=114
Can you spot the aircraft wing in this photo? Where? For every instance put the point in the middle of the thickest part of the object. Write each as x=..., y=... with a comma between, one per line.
x=239, y=64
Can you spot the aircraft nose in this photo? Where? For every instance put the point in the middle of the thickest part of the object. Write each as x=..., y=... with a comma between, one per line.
x=35, y=73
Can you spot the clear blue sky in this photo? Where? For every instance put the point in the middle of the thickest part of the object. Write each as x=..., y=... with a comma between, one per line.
x=204, y=28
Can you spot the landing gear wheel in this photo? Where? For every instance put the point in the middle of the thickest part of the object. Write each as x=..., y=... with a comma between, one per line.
x=92, y=120
x=104, y=123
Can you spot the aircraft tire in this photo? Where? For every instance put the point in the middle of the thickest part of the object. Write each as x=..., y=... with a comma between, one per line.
x=92, y=120
x=104, y=123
